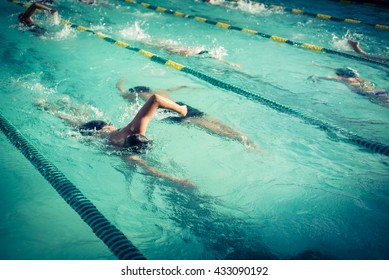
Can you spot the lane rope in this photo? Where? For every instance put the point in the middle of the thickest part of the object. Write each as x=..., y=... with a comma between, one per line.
x=322, y=16
x=325, y=126
x=377, y=3
x=254, y=32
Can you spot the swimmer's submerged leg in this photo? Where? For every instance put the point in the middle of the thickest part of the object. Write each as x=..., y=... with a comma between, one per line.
x=157, y=173
x=215, y=126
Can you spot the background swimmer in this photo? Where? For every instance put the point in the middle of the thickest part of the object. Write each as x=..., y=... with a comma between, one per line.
x=357, y=84
x=194, y=116
x=135, y=33
x=27, y=20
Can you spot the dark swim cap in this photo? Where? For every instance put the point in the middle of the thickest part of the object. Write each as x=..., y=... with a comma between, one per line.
x=139, y=89
x=138, y=143
x=347, y=72
x=88, y=128
x=203, y=52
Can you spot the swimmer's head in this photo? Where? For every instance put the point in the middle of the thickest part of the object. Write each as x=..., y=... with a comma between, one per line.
x=139, y=89
x=87, y=129
x=138, y=143
x=347, y=72
x=203, y=53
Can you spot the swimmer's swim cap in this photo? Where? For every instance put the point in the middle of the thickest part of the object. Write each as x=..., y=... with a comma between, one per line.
x=139, y=89
x=347, y=72
x=87, y=129
x=138, y=143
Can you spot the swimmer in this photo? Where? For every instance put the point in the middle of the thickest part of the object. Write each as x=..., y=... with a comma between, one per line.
x=26, y=17
x=184, y=51
x=131, y=137
x=356, y=48
x=193, y=116
x=354, y=82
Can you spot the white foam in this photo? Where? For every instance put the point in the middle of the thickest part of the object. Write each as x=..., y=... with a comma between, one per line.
x=135, y=32
x=251, y=7
x=342, y=43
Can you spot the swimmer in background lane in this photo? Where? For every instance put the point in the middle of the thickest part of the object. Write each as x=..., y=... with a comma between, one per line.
x=185, y=51
x=194, y=116
x=354, y=82
x=26, y=17
x=356, y=48
x=131, y=137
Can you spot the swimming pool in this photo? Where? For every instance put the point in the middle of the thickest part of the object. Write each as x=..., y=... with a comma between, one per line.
x=309, y=194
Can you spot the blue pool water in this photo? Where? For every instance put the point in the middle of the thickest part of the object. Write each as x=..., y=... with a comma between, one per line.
x=308, y=194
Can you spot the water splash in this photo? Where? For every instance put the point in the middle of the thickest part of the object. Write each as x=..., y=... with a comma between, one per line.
x=32, y=82
x=65, y=33
x=218, y=52
x=342, y=42
x=251, y=7
x=135, y=33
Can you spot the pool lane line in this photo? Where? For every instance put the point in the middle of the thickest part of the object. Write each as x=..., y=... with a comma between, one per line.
x=380, y=5
x=254, y=32
x=115, y=240
x=350, y=136
x=322, y=16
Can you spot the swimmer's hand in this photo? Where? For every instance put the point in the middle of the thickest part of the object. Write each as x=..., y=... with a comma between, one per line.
x=252, y=146
x=40, y=102
x=184, y=110
x=313, y=78
x=175, y=88
x=316, y=64
x=234, y=64
x=43, y=103
x=52, y=11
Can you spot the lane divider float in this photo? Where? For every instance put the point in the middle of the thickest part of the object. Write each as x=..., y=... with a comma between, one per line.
x=322, y=16
x=361, y=2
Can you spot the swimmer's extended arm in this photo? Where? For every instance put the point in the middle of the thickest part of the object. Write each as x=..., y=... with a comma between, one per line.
x=43, y=7
x=53, y=109
x=165, y=92
x=319, y=65
x=157, y=173
x=228, y=62
x=144, y=95
x=125, y=93
x=329, y=78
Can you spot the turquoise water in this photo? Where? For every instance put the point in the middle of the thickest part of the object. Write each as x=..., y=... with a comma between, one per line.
x=309, y=194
